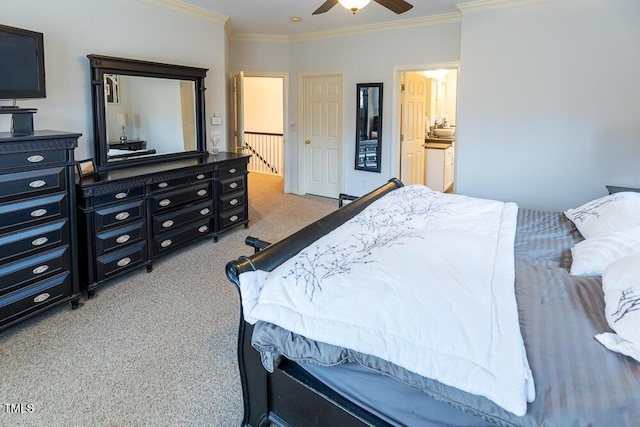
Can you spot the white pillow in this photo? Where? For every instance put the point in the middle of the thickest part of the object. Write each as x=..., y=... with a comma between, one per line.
x=593, y=255
x=615, y=212
x=621, y=285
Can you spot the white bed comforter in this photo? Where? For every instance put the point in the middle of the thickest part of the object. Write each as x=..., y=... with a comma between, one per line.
x=422, y=279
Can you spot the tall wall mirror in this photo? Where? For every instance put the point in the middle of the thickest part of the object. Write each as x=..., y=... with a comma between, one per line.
x=369, y=126
x=146, y=111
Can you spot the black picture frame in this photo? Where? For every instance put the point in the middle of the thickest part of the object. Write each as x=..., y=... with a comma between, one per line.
x=86, y=168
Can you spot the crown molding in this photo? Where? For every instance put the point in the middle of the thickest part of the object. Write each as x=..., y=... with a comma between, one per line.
x=190, y=9
x=446, y=18
x=265, y=38
x=484, y=5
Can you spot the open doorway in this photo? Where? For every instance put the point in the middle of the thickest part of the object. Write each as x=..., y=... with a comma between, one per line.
x=427, y=124
x=260, y=109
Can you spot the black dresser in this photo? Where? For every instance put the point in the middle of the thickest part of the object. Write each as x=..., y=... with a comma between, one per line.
x=130, y=217
x=38, y=252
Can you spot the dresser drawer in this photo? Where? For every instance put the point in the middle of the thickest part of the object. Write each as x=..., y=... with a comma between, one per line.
x=25, y=271
x=232, y=184
x=120, y=237
x=232, y=217
x=30, y=299
x=121, y=214
x=171, y=184
x=32, y=183
x=33, y=240
x=230, y=170
x=36, y=159
x=177, y=238
x=30, y=212
x=176, y=198
x=231, y=201
x=175, y=219
x=125, y=259
x=118, y=196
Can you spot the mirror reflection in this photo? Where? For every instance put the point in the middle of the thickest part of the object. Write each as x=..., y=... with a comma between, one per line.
x=147, y=116
x=369, y=127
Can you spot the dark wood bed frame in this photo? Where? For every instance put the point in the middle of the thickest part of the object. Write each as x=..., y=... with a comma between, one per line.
x=290, y=396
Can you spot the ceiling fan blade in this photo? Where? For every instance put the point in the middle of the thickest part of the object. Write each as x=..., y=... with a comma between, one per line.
x=397, y=6
x=325, y=7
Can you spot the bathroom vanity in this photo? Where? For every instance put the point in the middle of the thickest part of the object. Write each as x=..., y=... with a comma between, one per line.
x=439, y=163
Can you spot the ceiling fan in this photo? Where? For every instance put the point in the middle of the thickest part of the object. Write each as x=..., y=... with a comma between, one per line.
x=397, y=6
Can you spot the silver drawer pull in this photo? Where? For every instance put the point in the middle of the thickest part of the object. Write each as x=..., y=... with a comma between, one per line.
x=163, y=185
x=122, y=216
x=121, y=195
x=233, y=185
x=123, y=262
x=40, y=269
x=123, y=239
x=40, y=241
x=168, y=223
x=42, y=297
x=35, y=159
x=37, y=183
x=38, y=213
x=233, y=202
x=233, y=218
x=201, y=176
x=202, y=193
x=232, y=170
x=203, y=229
x=164, y=202
x=166, y=243
x=205, y=211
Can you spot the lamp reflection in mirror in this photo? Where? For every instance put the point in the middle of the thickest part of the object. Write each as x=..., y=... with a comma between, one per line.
x=122, y=122
x=354, y=5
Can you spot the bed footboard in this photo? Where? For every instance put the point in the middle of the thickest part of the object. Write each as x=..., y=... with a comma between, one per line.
x=290, y=396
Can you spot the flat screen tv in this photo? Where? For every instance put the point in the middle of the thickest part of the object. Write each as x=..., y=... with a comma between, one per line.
x=21, y=64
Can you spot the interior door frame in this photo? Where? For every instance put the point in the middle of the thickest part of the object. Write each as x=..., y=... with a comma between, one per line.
x=302, y=184
x=396, y=124
x=285, y=113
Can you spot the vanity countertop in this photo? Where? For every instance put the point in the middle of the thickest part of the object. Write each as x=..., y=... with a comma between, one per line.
x=438, y=143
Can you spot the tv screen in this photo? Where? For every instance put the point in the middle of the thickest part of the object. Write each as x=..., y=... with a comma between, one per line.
x=21, y=64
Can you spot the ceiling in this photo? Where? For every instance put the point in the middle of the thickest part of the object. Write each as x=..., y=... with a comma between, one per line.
x=271, y=17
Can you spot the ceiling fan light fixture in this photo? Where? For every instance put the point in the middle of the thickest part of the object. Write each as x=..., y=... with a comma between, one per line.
x=354, y=5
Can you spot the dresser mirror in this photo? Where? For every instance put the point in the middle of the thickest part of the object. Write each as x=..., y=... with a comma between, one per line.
x=369, y=126
x=146, y=112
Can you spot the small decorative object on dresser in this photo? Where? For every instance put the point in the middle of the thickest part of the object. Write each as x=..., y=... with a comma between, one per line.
x=38, y=251
x=164, y=192
x=86, y=167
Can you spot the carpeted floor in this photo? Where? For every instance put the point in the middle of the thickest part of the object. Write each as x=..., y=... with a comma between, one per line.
x=151, y=349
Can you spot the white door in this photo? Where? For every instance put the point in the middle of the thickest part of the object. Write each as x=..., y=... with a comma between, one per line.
x=238, y=125
x=413, y=110
x=323, y=134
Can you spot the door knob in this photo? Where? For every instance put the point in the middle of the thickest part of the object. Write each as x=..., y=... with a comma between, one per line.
x=308, y=141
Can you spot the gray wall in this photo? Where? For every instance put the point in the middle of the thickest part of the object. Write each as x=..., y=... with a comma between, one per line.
x=130, y=29
x=549, y=105
x=548, y=109
x=548, y=102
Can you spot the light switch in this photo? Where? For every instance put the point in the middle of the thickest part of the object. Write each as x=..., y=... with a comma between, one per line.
x=216, y=120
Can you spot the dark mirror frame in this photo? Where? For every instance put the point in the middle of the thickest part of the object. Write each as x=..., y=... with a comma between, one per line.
x=101, y=65
x=367, y=148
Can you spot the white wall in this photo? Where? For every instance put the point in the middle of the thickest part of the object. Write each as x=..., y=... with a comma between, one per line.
x=124, y=28
x=362, y=58
x=263, y=100
x=548, y=109
x=549, y=103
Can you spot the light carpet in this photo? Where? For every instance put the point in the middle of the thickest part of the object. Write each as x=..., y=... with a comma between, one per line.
x=151, y=349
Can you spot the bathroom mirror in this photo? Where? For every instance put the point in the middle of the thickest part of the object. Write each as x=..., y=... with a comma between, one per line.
x=146, y=112
x=369, y=126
